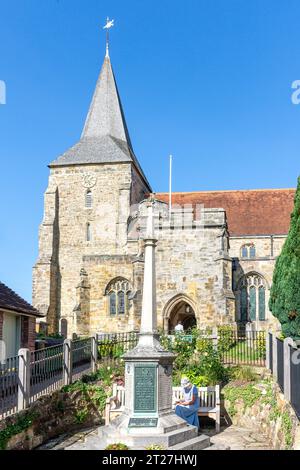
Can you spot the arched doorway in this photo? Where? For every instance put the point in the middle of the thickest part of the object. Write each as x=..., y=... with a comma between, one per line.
x=180, y=309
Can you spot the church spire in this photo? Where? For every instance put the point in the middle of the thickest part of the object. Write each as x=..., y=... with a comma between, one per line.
x=105, y=137
x=106, y=116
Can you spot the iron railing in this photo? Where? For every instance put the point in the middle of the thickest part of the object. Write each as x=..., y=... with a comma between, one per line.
x=295, y=382
x=112, y=346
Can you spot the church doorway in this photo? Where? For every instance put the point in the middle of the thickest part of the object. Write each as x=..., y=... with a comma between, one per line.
x=184, y=313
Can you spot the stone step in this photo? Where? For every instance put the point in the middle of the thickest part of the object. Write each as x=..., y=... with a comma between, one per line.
x=197, y=443
x=108, y=435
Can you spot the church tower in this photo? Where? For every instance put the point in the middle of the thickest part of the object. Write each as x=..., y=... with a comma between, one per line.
x=83, y=236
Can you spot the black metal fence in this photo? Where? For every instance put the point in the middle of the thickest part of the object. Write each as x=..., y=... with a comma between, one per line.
x=284, y=363
x=242, y=348
x=270, y=353
x=295, y=381
x=280, y=364
x=111, y=346
x=235, y=347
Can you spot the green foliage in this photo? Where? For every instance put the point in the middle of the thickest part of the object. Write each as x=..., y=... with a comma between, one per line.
x=248, y=393
x=196, y=359
x=286, y=426
x=226, y=339
x=285, y=293
x=81, y=415
x=117, y=446
x=244, y=374
x=22, y=424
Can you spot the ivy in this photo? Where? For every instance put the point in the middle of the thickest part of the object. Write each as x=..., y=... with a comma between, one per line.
x=22, y=424
x=248, y=393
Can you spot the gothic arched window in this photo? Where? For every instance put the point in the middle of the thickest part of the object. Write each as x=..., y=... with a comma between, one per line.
x=88, y=199
x=248, y=251
x=118, y=292
x=252, y=294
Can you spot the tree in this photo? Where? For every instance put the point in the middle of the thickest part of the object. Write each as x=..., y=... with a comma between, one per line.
x=285, y=293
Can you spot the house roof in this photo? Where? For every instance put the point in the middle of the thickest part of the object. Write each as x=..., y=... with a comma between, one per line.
x=249, y=212
x=9, y=300
x=105, y=137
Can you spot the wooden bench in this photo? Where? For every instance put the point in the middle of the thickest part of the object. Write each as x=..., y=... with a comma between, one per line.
x=209, y=403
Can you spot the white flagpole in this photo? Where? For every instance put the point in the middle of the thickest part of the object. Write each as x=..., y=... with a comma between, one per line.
x=170, y=188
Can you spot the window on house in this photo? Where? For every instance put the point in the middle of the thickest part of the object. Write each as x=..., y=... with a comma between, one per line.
x=88, y=232
x=248, y=251
x=88, y=199
x=118, y=292
x=252, y=295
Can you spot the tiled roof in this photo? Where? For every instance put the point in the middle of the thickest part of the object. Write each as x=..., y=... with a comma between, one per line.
x=249, y=212
x=9, y=300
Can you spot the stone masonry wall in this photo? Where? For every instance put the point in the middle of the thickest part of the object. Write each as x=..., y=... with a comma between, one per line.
x=65, y=227
x=267, y=250
x=270, y=415
x=1, y=325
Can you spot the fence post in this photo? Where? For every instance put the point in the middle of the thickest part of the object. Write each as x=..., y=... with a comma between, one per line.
x=215, y=338
x=67, y=353
x=23, y=379
x=287, y=367
x=94, y=352
x=274, y=355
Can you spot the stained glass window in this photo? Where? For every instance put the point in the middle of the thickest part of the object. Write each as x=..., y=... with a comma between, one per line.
x=244, y=304
x=119, y=292
x=262, y=303
x=121, y=303
x=252, y=301
x=252, y=290
x=112, y=303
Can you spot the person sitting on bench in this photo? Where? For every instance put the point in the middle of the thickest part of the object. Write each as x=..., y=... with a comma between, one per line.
x=187, y=408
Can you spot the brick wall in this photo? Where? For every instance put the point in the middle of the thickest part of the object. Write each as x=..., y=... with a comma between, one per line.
x=31, y=336
x=28, y=332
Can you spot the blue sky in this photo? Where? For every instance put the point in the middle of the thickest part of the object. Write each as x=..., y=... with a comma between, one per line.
x=207, y=80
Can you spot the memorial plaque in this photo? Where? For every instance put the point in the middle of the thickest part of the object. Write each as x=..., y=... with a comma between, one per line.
x=143, y=422
x=145, y=388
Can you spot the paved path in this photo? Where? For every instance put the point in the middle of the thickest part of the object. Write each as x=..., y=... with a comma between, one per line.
x=238, y=438
x=231, y=438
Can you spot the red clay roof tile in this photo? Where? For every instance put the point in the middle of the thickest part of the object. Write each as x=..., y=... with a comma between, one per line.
x=249, y=212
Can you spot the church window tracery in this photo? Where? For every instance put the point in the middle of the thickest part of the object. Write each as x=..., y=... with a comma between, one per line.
x=248, y=251
x=252, y=292
x=118, y=292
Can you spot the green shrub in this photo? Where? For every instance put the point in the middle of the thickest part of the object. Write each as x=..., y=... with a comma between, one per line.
x=227, y=338
x=246, y=374
x=22, y=424
x=117, y=446
x=285, y=293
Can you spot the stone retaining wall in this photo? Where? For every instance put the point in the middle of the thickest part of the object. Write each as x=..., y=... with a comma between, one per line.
x=48, y=417
x=262, y=407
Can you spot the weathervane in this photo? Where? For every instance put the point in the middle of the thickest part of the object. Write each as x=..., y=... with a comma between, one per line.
x=109, y=24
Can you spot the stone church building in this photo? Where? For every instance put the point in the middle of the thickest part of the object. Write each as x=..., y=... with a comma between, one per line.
x=216, y=249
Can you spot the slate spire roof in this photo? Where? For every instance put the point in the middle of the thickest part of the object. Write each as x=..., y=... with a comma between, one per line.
x=105, y=137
